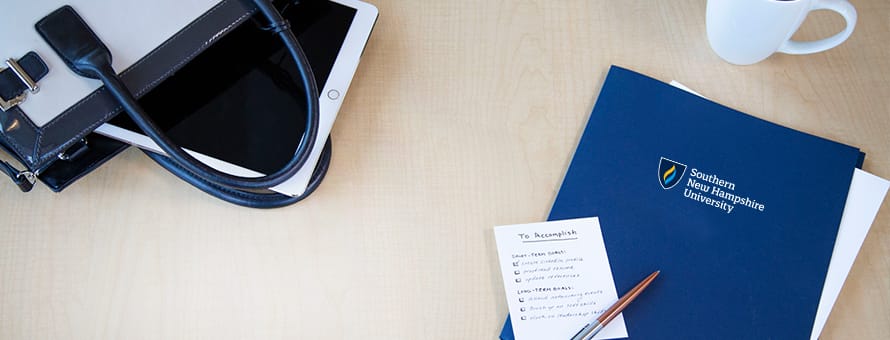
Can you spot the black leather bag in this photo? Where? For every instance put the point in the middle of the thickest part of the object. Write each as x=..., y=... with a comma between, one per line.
x=66, y=149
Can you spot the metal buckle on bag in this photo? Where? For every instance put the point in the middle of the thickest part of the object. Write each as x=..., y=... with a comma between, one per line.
x=75, y=150
x=30, y=179
x=6, y=104
x=23, y=179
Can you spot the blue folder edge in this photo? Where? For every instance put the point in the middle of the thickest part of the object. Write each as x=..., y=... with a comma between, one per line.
x=507, y=332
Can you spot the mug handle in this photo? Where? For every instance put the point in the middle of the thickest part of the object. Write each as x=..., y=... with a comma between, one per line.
x=843, y=8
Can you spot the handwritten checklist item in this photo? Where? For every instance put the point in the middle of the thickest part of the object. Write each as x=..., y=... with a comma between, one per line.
x=557, y=278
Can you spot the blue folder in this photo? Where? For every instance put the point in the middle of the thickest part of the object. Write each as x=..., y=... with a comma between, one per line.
x=739, y=214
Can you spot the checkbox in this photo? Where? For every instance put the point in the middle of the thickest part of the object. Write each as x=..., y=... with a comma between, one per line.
x=515, y=272
x=515, y=264
x=521, y=299
x=522, y=309
x=518, y=280
x=523, y=318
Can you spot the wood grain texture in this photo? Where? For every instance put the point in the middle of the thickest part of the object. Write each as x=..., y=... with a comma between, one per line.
x=463, y=115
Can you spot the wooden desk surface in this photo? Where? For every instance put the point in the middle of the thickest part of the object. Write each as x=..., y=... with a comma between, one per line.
x=463, y=115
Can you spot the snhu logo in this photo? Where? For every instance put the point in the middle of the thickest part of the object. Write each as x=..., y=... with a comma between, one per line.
x=670, y=173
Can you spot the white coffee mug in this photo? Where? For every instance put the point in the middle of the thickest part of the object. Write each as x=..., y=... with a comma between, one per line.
x=744, y=32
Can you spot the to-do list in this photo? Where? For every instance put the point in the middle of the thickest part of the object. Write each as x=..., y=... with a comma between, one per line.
x=557, y=278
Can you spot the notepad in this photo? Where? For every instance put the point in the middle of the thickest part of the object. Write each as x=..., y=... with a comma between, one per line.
x=557, y=278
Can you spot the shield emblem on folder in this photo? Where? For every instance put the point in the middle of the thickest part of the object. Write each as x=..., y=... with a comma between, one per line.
x=670, y=173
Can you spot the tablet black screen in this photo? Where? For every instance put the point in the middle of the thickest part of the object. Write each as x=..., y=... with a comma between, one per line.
x=240, y=100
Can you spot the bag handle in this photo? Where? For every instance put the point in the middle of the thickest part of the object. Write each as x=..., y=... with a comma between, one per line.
x=246, y=198
x=85, y=54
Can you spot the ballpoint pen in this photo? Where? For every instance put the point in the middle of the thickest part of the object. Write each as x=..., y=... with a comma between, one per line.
x=595, y=326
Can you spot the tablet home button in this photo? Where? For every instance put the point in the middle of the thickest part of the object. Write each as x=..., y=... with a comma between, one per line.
x=333, y=94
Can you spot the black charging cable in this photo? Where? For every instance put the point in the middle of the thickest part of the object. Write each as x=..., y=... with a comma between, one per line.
x=70, y=37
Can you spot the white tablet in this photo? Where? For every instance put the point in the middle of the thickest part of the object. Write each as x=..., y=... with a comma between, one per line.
x=244, y=113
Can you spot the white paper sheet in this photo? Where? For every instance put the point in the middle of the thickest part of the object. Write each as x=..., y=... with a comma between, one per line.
x=866, y=194
x=557, y=278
